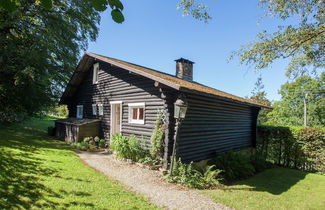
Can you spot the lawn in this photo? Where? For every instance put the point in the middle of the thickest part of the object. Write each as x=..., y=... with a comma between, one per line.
x=276, y=188
x=37, y=172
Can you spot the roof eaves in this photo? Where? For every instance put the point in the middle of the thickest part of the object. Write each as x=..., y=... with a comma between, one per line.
x=134, y=70
x=184, y=89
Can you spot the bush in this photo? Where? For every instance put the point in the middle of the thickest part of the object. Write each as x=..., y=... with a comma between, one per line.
x=102, y=143
x=81, y=146
x=188, y=175
x=234, y=165
x=97, y=139
x=157, y=138
x=127, y=148
x=294, y=147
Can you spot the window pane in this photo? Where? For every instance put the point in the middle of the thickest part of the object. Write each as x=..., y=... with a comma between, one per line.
x=100, y=109
x=135, y=113
x=140, y=113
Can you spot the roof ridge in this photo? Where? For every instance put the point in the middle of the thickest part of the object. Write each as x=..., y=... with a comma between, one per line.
x=178, y=81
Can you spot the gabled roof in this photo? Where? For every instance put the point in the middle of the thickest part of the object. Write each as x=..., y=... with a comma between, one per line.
x=163, y=78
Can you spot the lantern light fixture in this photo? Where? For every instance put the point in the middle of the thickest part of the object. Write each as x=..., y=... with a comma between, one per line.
x=180, y=108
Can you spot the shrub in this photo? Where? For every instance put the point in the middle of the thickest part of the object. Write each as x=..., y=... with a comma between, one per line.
x=148, y=160
x=97, y=139
x=81, y=146
x=87, y=139
x=234, y=165
x=188, y=175
x=157, y=138
x=312, y=142
x=127, y=148
x=102, y=143
x=294, y=147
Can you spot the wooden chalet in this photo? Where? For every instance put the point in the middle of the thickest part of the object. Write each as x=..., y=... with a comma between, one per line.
x=115, y=96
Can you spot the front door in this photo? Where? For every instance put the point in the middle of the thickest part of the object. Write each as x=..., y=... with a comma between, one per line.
x=116, y=118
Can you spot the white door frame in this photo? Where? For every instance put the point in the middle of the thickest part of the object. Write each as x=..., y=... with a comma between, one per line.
x=112, y=117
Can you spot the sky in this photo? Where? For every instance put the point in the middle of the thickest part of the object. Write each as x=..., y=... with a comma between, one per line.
x=155, y=33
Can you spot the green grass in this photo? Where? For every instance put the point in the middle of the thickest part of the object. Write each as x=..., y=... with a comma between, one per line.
x=37, y=172
x=277, y=188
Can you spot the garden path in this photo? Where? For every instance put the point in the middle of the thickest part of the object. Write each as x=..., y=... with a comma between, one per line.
x=149, y=183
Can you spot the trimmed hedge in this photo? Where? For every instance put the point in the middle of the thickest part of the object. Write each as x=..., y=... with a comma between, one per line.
x=294, y=147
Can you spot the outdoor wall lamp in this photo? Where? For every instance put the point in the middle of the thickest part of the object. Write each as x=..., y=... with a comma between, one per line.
x=180, y=109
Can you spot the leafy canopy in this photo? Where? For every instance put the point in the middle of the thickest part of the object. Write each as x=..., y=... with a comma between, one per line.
x=303, y=43
x=259, y=95
x=39, y=51
x=290, y=110
x=99, y=5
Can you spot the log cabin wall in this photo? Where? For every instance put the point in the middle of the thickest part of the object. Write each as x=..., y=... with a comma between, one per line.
x=214, y=125
x=116, y=84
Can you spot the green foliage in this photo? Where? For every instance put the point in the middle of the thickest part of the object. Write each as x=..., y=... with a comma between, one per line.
x=198, y=10
x=290, y=110
x=312, y=141
x=157, y=138
x=102, y=143
x=301, y=148
x=194, y=177
x=84, y=146
x=148, y=160
x=8, y=116
x=127, y=148
x=303, y=42
x=59, y=111
x=259, y=96
x=98, y=5
x=39, y=51
x=234, y=165
x=96, y=139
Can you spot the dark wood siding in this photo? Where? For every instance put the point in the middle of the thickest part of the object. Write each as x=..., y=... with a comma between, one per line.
x=116, y=84
x=213, y=125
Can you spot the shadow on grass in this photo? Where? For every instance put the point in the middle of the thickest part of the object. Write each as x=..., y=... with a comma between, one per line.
x=21, y=173
x=275, y=181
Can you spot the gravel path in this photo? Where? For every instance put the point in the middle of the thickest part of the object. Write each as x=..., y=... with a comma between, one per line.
x=148, y=183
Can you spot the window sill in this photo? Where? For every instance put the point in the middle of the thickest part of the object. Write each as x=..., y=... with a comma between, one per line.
x=140, y=122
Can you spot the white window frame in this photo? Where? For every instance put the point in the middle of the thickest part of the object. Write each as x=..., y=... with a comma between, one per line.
x=80, y=114
x=100, y=109
x=137, y=105
x=95, y=73
x=94, y=109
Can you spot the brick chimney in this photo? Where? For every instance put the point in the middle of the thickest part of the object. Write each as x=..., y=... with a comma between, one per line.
x=184, y=69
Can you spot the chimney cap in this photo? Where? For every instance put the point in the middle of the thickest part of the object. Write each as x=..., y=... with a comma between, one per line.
x=183, y=60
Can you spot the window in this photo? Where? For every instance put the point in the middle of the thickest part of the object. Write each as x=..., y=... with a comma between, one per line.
x=80, y=111
x=136, y=113
x=100, y=109
x=94, y=109
x=95, y=73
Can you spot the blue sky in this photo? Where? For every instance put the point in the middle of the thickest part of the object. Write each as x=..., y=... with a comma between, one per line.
x=155, y=33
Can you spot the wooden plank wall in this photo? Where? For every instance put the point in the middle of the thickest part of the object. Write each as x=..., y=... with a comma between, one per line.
x=116, y=84
x=213, y=125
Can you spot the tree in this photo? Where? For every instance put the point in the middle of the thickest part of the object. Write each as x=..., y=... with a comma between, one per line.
x=290, y=110
x=259, y=95
x=39, y=51
x=189, y=7
x=99, y=5
x=303, y=44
